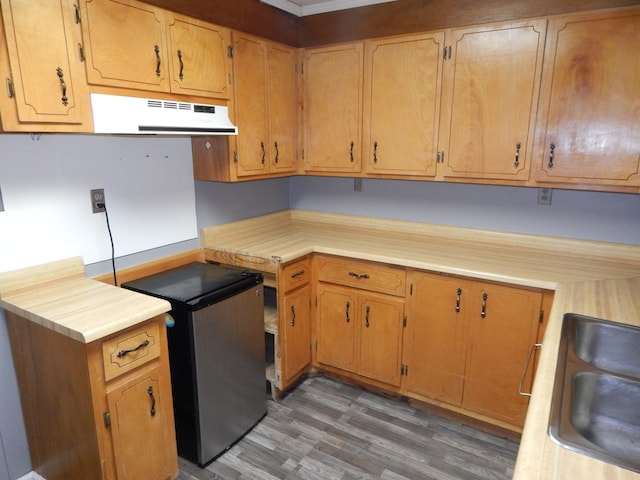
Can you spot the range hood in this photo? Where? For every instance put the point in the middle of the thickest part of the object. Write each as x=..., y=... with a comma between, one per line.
x=118, y=114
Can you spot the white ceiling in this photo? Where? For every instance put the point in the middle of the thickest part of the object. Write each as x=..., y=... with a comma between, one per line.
x=311, y=7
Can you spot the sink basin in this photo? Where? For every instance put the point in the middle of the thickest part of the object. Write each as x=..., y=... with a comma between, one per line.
x=594, y=409
x=608, y=346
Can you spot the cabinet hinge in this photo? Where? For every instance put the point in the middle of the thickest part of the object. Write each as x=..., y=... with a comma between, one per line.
x=446, y=53
x=541, y=317
x=440, y=157
x=303, y=154
x=230, y=51
x=107, y=419
x=404, y=321
x=10, y=90
x=404, y=370
x=235, y=157
x=81, y=52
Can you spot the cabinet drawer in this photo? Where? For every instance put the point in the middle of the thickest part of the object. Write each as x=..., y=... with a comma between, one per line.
x=296, y=274
x=129, y=350
x=362, y=274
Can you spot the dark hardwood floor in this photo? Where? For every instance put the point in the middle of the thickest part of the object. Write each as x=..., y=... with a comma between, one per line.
x=325, y=430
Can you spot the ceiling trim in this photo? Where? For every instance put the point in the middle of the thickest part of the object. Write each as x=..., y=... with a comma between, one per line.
x=320, y=7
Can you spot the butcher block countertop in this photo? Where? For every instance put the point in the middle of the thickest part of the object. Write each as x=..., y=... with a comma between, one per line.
x=591, y=278
x=58, y=296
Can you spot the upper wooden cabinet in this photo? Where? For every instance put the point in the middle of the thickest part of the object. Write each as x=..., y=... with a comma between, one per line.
x=402, y=79
x=332, y=106
x=589, y=111
x=491, y=84
x=265, y=106
x=130, y=44
x=199, y=57
x=41, y=68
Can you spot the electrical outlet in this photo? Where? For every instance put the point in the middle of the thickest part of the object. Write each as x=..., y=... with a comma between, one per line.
x=357, y=184
x=1, y=203
x=97, y=196
x=544, y=196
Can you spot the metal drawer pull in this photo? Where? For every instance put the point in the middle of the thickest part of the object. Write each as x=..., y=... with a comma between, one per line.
x=552, y=147
x=180, y=75
x=366, y=317
x=122, y=353
x=153, y=402
x=458, y=293
x=297, y=274
x=351, y=152
x=359, y=275
x=64, y=99
x=156, y=49
x=275, y=144
x=293, y=318
x=264, y=152
x=526, y=368
x=347, y=312
x=483, y=312
x=516, y=163
x=375, y=152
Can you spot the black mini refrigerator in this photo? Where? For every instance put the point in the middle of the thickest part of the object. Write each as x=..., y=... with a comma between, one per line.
x=216, y=354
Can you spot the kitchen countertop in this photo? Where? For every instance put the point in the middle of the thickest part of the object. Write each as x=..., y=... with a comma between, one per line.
x=58, y=296
x=591, y=278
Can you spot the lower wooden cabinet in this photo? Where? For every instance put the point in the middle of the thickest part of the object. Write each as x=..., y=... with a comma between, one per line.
x=360, y=332
x=100, y=411
x=467, y=344
x=296, y=333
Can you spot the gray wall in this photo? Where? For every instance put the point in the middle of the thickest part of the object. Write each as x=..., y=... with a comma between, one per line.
x=610, y=217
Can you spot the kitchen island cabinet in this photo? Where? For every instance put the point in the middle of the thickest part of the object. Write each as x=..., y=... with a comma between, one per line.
x=93, y=373
x=43, y=72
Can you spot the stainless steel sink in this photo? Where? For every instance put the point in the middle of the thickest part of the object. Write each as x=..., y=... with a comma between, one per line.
x=595, y=405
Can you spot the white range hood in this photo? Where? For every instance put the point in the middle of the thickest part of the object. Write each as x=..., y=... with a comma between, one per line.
x=116, y=114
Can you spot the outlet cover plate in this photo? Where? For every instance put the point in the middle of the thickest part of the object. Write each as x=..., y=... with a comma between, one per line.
x=97, y=196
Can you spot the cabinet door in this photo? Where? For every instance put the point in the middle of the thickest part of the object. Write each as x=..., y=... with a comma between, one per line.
x=590, y=100
x=490, y=93
x=200, y=64
x=47, y=80
x=499, y=344
x=338, y=312
x=380, y=324
x=283, y=111
x=296, y=328
x=125, y=45
x=250, y=100
x=435, y=344
x=333, y=108
x=402, y=104
x=140, y=412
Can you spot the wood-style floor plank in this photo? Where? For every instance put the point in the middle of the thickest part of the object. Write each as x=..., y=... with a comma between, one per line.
x=328, y=430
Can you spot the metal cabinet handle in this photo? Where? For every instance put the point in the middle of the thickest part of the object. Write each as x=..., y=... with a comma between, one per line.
x=275, y=145
x=358, y=275
x=516, y=163
x=293, y=316
x=76, y=12
x=264, y=152
x=122, y=353
x=347, y=312
x=552, y=147
x=483, y=312
x=351, y=151
x=153, y=402
x=180, y=75
x=156, y=49
x=366, y=317
x=297, y=274
x=526, y=368
x=458, y=293
x=375, y=152
x=63, y=98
